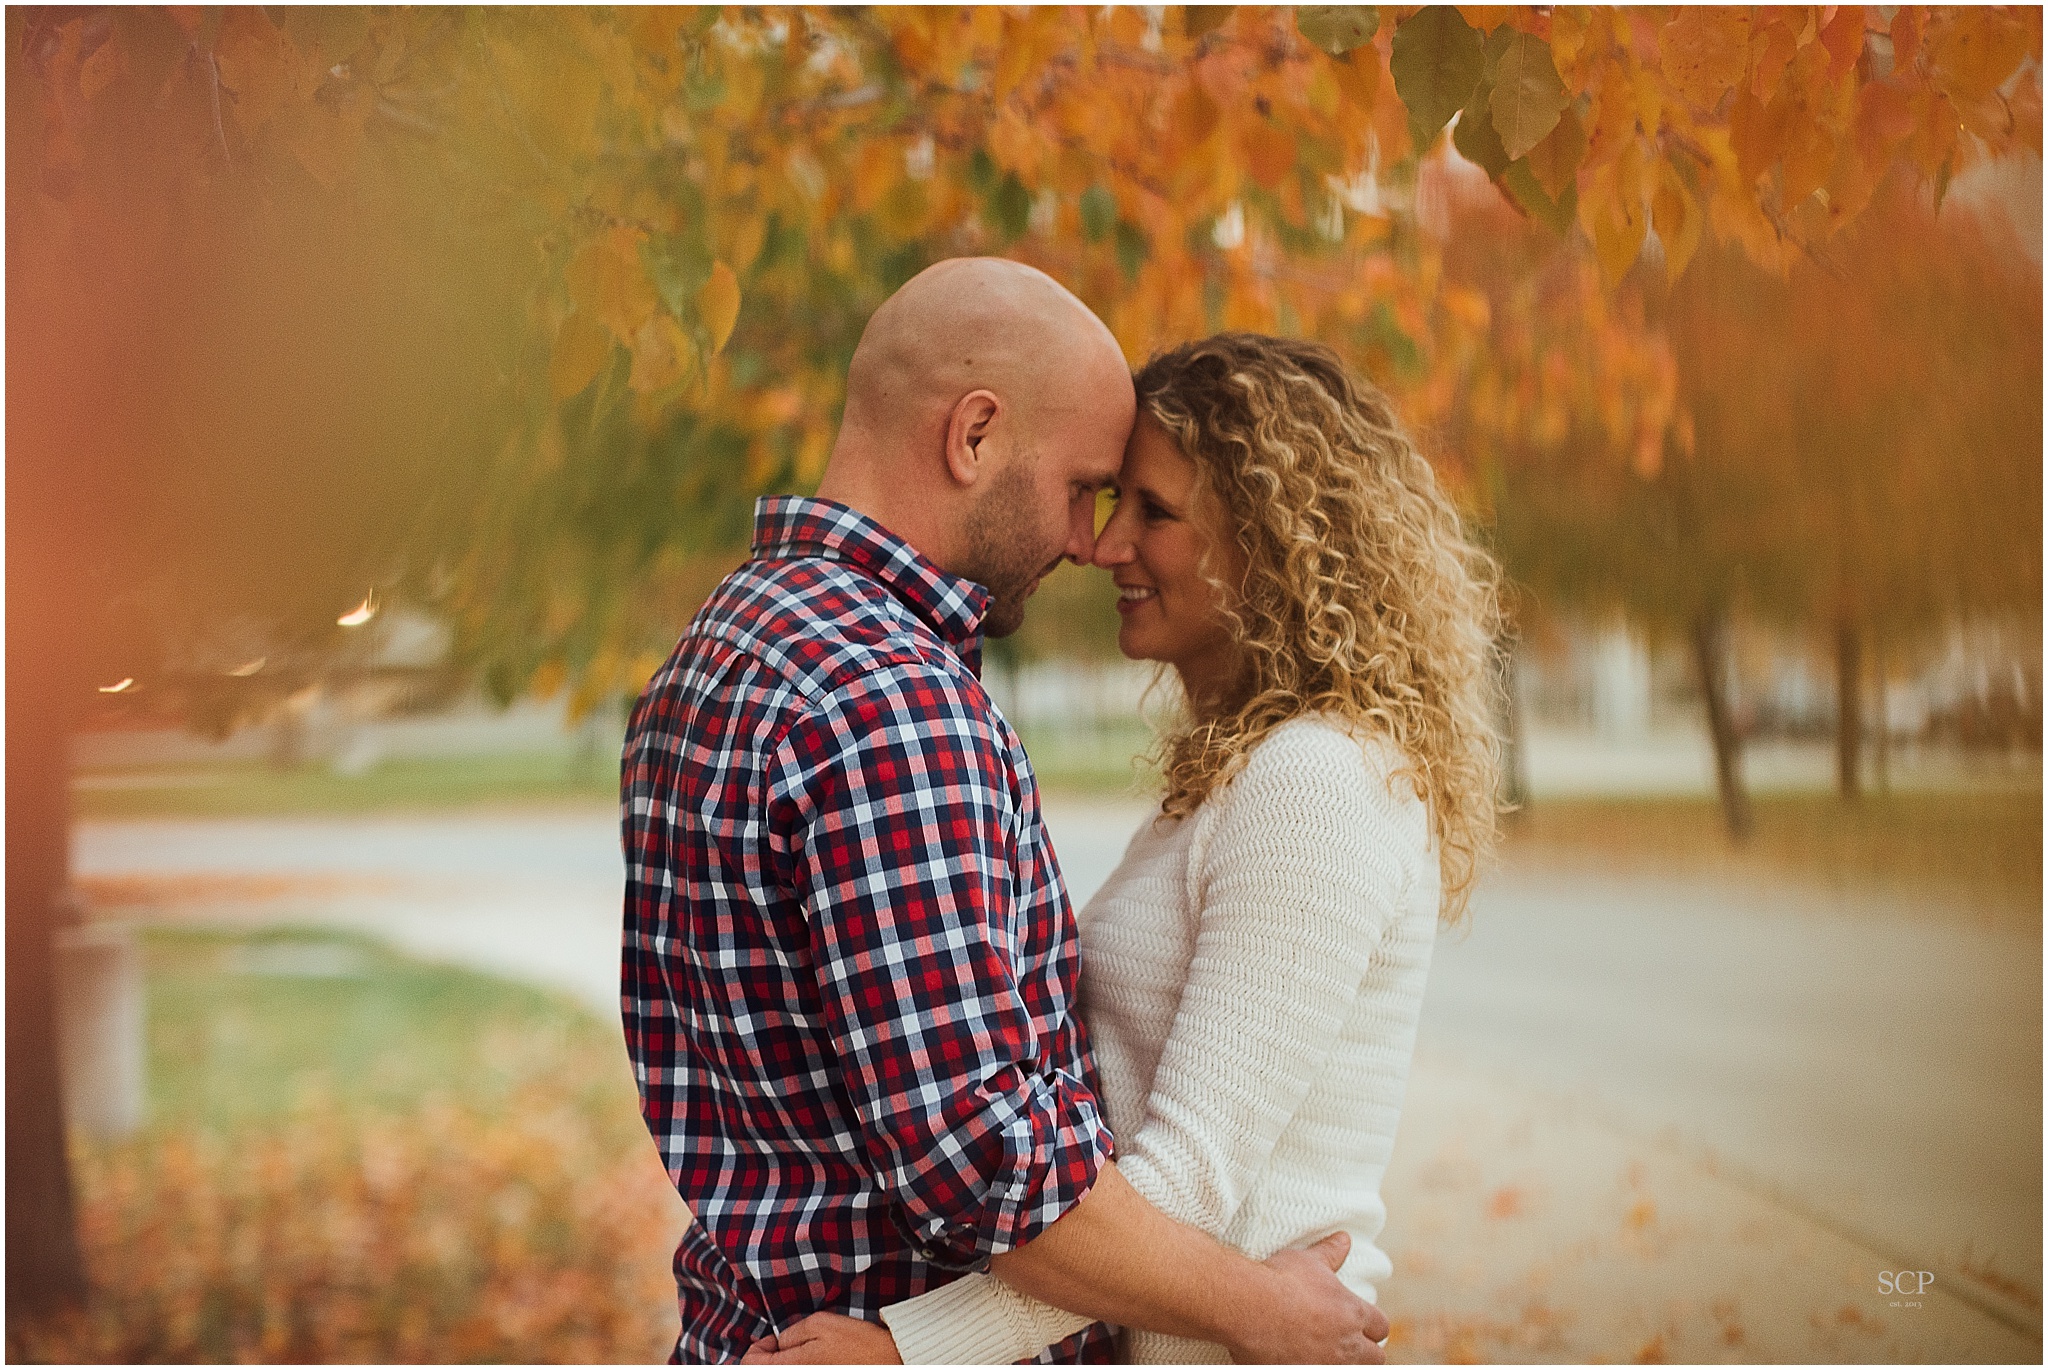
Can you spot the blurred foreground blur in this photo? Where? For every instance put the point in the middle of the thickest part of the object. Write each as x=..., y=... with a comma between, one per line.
x=354, y=1156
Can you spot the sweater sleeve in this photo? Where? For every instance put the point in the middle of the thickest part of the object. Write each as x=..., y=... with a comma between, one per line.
x=1306, y=863
x=1308, y=859
x=976, y=1320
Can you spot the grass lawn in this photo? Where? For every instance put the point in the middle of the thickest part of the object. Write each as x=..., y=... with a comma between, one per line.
x=247, y=788
x=1980, y=849
x=353, y=1156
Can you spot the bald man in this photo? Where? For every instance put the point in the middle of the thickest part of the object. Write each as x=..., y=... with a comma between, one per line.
x=849, y=966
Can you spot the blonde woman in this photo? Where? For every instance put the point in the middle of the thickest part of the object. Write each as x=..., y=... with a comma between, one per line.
x=1253, y=971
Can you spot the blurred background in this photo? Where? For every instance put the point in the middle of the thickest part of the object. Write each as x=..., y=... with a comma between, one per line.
x=387, y=387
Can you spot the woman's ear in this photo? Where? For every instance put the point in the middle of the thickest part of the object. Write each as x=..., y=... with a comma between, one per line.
x=967, y=429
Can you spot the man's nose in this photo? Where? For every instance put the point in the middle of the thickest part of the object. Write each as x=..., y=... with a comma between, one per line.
x=1081, y=535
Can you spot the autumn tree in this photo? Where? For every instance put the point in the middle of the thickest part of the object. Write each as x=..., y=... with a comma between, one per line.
x=1914, y=370
x=508, y=312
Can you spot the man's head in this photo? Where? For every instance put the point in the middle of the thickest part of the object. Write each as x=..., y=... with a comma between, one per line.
x=985, y=406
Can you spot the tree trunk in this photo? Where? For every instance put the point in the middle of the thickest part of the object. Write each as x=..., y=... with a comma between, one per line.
x=49, y=527
x=1514, y=757
x=1710, y=659
x=43, y=1267
x=1848, y=708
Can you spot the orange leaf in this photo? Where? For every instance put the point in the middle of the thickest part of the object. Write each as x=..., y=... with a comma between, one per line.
x=108, y=63
x=1773, y=47
x=1934, y=131
x=1907, y=25
x=1358, y=76
x=1843, y=38
x=1269, y=151
x=1972, y=52
x=1197, y=20
x=1705, y=52
x=257, y=63
x=1753, y=135
x=1486, y=18
x=1883, y=119
x=582, y=345
x=718, y=304
x=1195, y=115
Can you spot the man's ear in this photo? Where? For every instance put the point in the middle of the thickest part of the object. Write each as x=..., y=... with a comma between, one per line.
x=967, y=428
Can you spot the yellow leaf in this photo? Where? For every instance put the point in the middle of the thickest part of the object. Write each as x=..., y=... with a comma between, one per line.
x=1677, y=219
x=582, y=345
x=1611, y=211
x=661, y=354
x=607, y=278
x=1569, y=27
x=1358, y=76
x=718, y=304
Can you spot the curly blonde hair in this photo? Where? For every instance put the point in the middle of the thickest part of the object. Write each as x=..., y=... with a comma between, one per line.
x=1362, y=598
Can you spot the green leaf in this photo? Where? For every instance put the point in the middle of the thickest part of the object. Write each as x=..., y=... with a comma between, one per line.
x=1131, y=248
x=1555, y=214
x=1010, y=207
x=678, y=266
x=1098, y=213
x=1438, y=59
x=1197, y=20
x=1528, y=96
x=981, y=171
x=1337, y=29
x=1474, y=137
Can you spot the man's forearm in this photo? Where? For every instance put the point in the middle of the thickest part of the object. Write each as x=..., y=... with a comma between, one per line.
x=1114, y=1256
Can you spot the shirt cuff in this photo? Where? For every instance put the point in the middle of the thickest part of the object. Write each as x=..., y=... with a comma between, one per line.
x=976, y=1320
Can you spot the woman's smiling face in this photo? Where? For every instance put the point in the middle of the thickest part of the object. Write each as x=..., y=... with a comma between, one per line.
x=1153, y=546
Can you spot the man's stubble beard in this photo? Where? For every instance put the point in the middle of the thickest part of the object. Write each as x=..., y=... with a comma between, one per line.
x=999, y=554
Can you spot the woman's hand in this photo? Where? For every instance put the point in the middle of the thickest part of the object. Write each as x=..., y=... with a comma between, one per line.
x=826, y=1339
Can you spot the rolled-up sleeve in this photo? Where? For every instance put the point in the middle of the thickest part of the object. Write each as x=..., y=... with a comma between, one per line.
x=897, y=818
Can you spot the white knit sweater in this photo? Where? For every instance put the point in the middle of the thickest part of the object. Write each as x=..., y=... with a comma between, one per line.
x=1251, y=979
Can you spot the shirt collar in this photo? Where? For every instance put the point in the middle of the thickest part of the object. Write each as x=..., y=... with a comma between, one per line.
x=793, y=526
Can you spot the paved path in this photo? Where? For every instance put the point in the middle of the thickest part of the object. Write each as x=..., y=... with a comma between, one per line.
x=1649, y=1117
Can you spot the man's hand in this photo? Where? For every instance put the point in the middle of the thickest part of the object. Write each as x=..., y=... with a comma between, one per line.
x=1317, y=1320
x=826, y=1339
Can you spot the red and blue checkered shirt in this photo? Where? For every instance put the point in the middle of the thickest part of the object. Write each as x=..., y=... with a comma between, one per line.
x=849, y=961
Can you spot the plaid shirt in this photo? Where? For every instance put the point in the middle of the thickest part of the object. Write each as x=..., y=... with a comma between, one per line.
x=849, y=962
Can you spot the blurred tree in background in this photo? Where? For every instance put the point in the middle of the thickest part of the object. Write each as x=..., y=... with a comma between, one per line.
x=509, y=313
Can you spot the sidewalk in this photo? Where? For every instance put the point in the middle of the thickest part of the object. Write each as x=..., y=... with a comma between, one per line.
x=1525, y=1227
